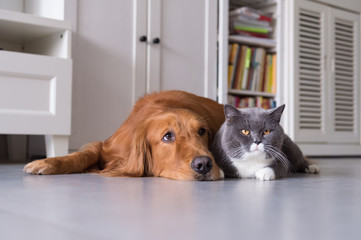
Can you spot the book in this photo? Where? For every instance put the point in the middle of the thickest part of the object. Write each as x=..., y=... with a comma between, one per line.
x=244, y=102
x=270, y=75
x=251, y=34
x=241, y=19
x=274, y=71
x=240, y=66
x=246, y=28
x=261, y=71
x=250, y=13
x=251, y=68
x=233, y=55
x=256, y=78
x=247, y=64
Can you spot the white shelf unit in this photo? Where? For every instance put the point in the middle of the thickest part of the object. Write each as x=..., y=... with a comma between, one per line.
x=36, y=71
x=272, y=45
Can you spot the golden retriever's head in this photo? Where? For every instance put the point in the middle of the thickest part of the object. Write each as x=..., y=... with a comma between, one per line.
x=174, y=144
x=178, y=142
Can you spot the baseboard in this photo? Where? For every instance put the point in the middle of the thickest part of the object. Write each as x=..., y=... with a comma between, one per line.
x=330, y=149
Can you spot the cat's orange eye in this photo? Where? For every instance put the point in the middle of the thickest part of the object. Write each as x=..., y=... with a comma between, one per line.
x=266, y=132
x=245, y=132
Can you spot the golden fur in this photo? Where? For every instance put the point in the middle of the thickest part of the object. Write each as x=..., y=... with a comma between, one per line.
x=136, y=149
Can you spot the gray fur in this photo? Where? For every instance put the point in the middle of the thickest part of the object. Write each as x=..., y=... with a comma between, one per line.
x=230, y=143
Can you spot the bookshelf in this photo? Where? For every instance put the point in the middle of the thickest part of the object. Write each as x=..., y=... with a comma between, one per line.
x=36, y=71
x=253, y=41
x=317, y=45
x=227, y=89
x=250, y=93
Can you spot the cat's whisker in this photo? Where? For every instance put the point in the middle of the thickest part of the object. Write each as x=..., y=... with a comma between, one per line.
x=278, y=156
x=235, y=152
x=282, y=158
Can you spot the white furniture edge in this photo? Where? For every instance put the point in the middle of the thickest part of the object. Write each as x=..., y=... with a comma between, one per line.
x=24, y=18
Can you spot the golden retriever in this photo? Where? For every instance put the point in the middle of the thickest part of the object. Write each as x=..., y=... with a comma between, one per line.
x=166, y=135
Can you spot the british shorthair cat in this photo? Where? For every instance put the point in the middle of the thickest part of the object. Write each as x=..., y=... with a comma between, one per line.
x=251, y=144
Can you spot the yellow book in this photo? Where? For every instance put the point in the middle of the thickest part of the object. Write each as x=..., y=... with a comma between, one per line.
x=269, y=82
x=274, y=73
x=233, y=55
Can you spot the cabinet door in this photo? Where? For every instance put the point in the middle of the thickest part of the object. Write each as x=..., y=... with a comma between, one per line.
x=344, y=76
x=109, y=66
x=185, y=58
x=309, y=70
x=326, y=72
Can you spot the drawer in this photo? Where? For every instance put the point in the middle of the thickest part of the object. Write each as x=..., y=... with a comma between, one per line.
x=35, y=94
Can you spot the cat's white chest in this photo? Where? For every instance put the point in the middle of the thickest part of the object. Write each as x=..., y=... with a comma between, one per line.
x=250, y=163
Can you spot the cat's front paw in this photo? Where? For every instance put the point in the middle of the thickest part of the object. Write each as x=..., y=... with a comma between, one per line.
x=266, y=174
x=313, y=168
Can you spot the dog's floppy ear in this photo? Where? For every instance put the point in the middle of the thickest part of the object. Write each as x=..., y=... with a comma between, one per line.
x=140, y=158
x=134, y=158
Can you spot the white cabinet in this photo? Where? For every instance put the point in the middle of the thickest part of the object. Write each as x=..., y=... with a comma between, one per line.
x=113, y=68
x=324, y=89
x=35, y=71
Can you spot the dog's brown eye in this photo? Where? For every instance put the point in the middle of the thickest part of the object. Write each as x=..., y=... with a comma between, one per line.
x=168, y=137
x=201, y=131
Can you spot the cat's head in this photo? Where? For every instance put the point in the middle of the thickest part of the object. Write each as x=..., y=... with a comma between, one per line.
x=250, y=130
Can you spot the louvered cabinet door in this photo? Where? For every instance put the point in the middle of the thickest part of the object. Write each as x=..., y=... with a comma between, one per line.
x=309, y=69
x=344, y=75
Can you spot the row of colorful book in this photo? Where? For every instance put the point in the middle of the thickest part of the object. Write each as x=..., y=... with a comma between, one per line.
x=244, y=102
x=251, y=68
x=247, y=21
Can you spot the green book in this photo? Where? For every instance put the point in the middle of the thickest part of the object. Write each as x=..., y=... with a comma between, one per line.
x=252, y=29
x=247, y=64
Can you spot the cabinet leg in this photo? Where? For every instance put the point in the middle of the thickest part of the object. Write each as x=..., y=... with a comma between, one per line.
x=56, y=145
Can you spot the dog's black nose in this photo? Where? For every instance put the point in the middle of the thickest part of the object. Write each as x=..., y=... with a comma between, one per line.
x=202, y=164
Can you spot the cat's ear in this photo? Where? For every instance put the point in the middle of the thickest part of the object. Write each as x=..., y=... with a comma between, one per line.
x=230, y=112
x=276, y=113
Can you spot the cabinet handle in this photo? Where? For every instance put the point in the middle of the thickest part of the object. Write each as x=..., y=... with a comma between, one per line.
x=156, y=40
x=143, y=38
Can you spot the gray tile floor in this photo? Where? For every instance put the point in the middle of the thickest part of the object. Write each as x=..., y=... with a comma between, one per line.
x=86, y=206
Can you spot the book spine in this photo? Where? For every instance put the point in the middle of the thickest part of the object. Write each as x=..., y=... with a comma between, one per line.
x=246, y=68
x=274, y=76
x=252, y=29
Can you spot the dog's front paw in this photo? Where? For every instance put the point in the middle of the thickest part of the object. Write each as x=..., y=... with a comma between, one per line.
x=39, y=167
x=266, y=174
x=313, y=168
